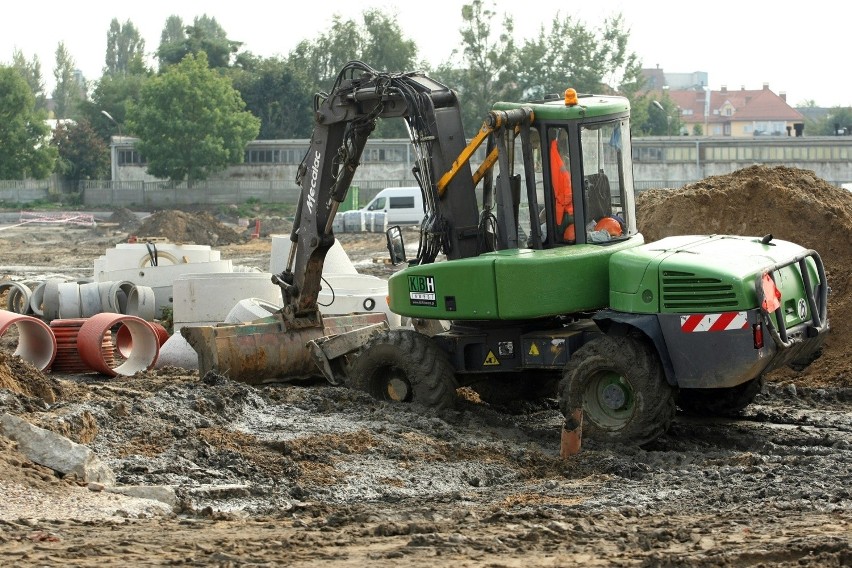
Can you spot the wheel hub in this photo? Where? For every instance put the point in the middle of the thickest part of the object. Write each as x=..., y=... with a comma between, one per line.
x=614, y=397
x=398, y=389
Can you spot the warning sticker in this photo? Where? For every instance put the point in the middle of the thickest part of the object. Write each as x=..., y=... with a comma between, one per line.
x=534, y=350
x=491, y=360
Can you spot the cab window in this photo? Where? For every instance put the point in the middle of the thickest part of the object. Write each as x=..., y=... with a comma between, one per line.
x=607, y=199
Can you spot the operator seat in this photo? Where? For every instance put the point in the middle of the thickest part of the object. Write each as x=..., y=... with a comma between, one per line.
x=598, y=197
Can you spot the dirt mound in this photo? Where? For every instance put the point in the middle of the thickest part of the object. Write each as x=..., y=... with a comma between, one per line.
x=791, y=204
x=188, y=228
x=20, y=377
x=126, y=219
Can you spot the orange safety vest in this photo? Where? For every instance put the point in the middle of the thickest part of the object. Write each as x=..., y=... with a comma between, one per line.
x=560, y=179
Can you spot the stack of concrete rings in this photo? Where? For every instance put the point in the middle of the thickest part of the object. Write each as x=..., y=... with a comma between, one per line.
x=59, y=299
x=144, y=342
x=36, y=342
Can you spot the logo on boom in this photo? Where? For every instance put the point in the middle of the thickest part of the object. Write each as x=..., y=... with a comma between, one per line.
x=312, y=192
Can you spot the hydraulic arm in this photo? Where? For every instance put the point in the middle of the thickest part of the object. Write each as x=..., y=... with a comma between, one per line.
x=345, y=118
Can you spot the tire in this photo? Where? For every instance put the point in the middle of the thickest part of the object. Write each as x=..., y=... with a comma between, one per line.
x=402, y=365
x=620, y=385
x=719, y=402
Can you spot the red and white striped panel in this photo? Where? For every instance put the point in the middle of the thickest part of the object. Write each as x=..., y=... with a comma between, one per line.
x=714, y=322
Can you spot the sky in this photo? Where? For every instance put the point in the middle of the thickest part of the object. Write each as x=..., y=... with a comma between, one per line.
x=792, y=48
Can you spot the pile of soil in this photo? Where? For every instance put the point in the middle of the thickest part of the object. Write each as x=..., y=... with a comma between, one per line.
x=793, y=205
x=22, y=378
x=126, y=219
x=188, y=228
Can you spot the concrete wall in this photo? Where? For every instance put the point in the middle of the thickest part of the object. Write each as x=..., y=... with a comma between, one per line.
x=666, y=161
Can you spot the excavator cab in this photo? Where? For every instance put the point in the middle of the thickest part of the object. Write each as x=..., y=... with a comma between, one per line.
x=583, y=183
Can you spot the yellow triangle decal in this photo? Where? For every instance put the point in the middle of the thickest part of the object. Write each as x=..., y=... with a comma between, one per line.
x=534, y=350
x=490, y=360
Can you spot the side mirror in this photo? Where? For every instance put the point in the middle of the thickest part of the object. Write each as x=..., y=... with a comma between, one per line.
x=396, y=247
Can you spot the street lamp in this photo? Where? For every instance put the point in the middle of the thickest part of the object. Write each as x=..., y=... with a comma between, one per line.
x=113, y=147
x=114, y=121
x=667, y=115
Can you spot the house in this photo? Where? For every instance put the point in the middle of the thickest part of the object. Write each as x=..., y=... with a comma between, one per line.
x=724, y=112
x=737, y=113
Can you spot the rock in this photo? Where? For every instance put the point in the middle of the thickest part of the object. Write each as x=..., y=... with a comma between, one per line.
x=162, y=493
x=56, y=452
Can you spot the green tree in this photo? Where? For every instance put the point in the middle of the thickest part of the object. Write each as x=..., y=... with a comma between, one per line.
x=70, y=88
x=383, y=45
x=31, y=72
x=278, y=95
x=191, y=122
x=836, y=119
x=324, y=56
x=125, y=51
x=377, y=41
x=172, y=41
x=204, y=35
x=82, y=153
x=571, y=54
x=113, y=94
x=488, y=68
x=658, y=116
x=385, y=48
x=24, y=151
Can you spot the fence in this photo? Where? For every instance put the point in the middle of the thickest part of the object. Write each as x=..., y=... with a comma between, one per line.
x=167, y=194
x=210, y=192
x=24, y=191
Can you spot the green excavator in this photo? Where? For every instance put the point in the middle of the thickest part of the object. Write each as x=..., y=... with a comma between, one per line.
x=530, y=278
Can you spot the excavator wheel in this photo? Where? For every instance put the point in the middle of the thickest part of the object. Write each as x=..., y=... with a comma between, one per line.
x=620, y=385
x=403, y=365
x=719, y=402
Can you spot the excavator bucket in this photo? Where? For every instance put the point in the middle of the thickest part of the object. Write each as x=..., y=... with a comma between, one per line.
x=270, y=349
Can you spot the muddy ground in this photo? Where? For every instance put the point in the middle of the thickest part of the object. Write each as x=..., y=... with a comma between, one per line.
x=310, y=474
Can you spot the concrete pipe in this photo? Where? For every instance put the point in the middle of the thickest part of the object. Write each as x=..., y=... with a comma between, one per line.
x=104, y=291
x=251, y=309
x=36, y=342
x=116, y=296
x=90, y=299
x=50, y=300
x=144, y=344
x=18, y=298
x=37, y=299
x=209, y=297
x=142, y=303
x=124, y=340
x=69, y=300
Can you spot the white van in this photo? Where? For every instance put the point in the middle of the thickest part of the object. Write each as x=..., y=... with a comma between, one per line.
x=401, y=205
